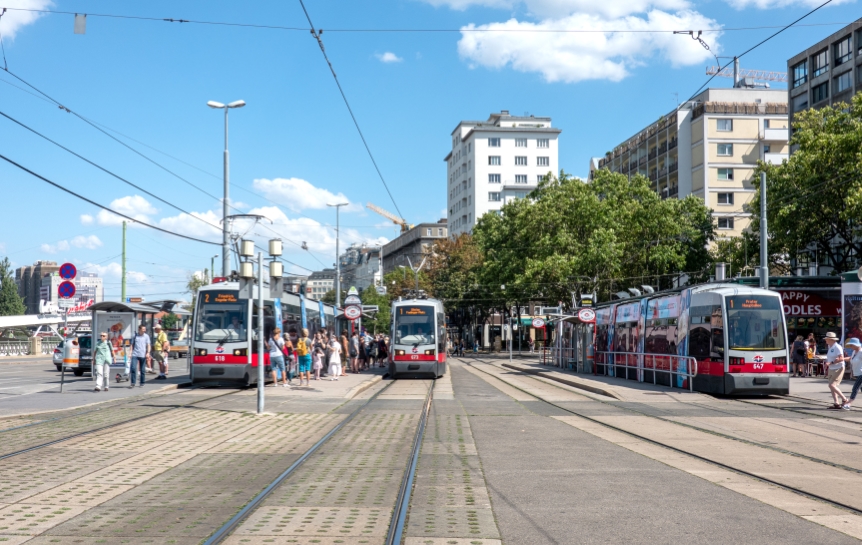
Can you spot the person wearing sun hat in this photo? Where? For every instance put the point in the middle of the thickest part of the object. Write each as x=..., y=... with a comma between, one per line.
x=835, y=360
x=855, y=364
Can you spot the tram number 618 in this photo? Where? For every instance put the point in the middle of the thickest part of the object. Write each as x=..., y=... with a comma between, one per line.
x=219, y=358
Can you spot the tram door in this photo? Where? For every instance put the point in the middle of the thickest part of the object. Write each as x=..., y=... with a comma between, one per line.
x=441, y=344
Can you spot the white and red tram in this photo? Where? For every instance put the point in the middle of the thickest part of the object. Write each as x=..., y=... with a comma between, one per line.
x=224, y=341
x=418, y=339
x=735, y=334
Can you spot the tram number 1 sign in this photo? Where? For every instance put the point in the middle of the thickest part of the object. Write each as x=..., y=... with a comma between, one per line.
x=352, y=312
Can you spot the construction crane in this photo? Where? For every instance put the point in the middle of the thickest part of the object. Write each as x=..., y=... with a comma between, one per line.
x=740, y=75
x=391, y=217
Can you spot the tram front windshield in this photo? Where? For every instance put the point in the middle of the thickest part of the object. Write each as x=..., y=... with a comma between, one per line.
x=222, y=317
x=414, y=325
x=755, y=322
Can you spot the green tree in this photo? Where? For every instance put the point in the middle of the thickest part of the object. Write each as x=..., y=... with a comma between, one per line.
x=815, y=197
x=11, y=304
x=571, y=237
x=329, y=297
x=194, y=284
x=380, y=322
x=169, y=320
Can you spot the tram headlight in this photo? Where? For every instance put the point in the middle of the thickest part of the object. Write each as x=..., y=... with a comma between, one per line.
x=240, y=352
x=399, y=352
x=202, y=352
x=429, y=352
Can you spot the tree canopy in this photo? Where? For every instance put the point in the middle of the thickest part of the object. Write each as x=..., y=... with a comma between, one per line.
x=815, y=197
x=11, y=304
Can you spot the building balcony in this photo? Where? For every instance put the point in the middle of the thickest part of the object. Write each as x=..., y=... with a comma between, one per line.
x=652, y=154
x=642, y=161
x=662, y=148
x=673, y=191
x=633, y=165
x=663, y=172
x=672, y=144
x=775, y=135
x=774, y=158
x=512, y=184
x=671, y=168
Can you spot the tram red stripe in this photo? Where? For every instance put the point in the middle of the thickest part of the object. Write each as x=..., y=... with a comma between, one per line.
x=416, y=357
x=221, y=359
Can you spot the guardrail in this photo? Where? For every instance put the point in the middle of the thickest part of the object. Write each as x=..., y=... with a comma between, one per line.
x=643, y=363
x=22, y=348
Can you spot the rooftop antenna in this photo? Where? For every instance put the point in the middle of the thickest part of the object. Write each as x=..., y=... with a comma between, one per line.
x=745, y=77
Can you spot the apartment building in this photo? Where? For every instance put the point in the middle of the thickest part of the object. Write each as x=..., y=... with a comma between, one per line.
x=29, y=281
x=320, y=282
x=709, y=147
x=828, y=72
x=412, y=245
x=495, y=161
x=360, y=266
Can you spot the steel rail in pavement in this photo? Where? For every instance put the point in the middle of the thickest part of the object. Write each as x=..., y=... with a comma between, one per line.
x=219, y=535
x=399, y=516
x=109, y=426
x=678, y=450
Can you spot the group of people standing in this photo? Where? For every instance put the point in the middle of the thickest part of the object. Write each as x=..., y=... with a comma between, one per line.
x=837, y=358
x=299, y=356
x=145, y=352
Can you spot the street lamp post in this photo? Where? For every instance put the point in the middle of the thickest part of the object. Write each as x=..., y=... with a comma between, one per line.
x=337, y=207
x=225, y=258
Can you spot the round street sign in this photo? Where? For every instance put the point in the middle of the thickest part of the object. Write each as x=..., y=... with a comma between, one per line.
x=538, y=322
x=587, y=315
x=381, y=290
x=352, y=300
x=66, y=290
x=352, y=312
x=68, y=271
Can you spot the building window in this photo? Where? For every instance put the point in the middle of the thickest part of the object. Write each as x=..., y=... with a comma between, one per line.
x=800, y=74
x=494, y=160
x=725, y=223
x=520, y=178
x=543, y=161
x=842, y=52
x=494, y=196
x=520, y=161
x=725, y=174
x=493, y=142
x=820, y=92
x=439, y=231
x=493, y=178
x=725, y=125
x=800, y=103
x=725, y=198
x=819, y=63
x=520, y=142
x=766, y=148
x=765, y=123
x=725, y=150
x=843, y=82
x=429, y=232
x=543, y=143
x=470, y=147
x=539, y=178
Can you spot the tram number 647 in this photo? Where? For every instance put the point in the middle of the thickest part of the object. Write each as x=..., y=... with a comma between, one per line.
x=758, y=366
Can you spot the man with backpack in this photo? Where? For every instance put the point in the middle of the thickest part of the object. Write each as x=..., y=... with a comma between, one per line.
x=303, y=352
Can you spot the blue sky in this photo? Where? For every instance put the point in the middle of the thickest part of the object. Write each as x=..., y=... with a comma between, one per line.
x=294, y=147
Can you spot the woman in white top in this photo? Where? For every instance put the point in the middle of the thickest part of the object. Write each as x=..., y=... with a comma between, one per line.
x=856, y=364
x=276, y=357
x=334, y=359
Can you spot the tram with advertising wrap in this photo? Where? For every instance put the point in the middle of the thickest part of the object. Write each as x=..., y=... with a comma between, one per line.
x=418, y=338
x=735, y=335
x=224, y=340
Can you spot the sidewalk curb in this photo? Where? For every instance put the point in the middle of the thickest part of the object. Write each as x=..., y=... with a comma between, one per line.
x=573, y=382
x=35, y=360
x=361, y=387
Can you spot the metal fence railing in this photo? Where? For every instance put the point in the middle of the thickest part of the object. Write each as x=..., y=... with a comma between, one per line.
x=643, y=367
x=22, y=347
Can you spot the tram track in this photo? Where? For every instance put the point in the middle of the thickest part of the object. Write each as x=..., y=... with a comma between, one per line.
x=706, y=459
x=401, y=508
x=122, y=422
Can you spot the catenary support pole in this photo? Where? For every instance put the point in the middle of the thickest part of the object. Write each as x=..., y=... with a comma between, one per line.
x=764, y=257
x=225, y=242
x=260, y=340
x=337, y=258
x=123, y=279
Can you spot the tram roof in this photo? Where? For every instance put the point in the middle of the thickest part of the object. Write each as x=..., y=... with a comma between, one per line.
x=709, y=286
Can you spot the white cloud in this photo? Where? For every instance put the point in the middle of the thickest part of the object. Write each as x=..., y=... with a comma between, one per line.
x=134, y=206
x=14, y=20
x=90, y=243
x=389, y=57
x=297, y=194
x=573, y=57
x=187, y=224
x=87, y=219
x=114, y=270
x=562, y=8
x=772, y=4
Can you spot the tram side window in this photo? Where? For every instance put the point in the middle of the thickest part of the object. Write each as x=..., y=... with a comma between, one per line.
x=268, y=319
x=707, y=335
x=602, y=338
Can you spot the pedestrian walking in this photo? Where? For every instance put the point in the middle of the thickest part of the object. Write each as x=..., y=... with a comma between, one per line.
x=345, y=350
x=276, y=358
x=334, y=359
x=161, y=350
x=372, y=351
x=799, y=355
x=303, y=352
x=103, y=357
x=140, y=350
x=317, y=361
x=354, y=353
x=835, y=360
x=363, y=354
x=856, y=365
x=531, y=343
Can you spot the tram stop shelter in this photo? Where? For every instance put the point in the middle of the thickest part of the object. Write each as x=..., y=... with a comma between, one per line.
x=573, y=346
x=121, y=321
